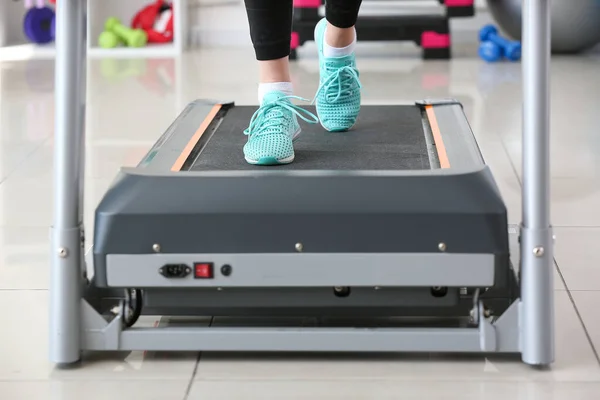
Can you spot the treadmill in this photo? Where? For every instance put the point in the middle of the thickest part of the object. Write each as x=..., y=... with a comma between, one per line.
x=390, y=237
x=201, y=232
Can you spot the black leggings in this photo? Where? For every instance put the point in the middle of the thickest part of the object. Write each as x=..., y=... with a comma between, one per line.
x=271, y=23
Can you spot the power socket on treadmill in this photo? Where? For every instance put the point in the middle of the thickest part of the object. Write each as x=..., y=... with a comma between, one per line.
x=174, y=271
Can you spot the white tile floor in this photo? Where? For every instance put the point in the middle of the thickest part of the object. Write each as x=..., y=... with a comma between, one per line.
x=132, y=101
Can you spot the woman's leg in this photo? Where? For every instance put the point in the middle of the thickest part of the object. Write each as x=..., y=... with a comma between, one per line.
x=338, y=98
x=341, y=17
x=270, y=31
x=274, y=126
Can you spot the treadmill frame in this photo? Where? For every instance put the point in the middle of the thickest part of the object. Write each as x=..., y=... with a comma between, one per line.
x=527, y=326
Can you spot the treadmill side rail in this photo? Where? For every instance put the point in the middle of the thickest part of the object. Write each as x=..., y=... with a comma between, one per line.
x=452, y=135
x=459, y=141
x=165, y=152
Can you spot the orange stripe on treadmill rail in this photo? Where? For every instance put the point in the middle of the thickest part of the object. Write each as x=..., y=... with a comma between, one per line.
x=192, y=143
x=437, y=137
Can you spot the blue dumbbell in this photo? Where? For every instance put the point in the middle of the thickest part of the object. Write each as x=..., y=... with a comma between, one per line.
x=490, y=51
x=510, y=49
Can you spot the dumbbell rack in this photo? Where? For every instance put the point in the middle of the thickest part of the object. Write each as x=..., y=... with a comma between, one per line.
x=427, y=23
x=14, y=45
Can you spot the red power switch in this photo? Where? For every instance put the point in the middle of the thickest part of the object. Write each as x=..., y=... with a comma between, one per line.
x=203, y=270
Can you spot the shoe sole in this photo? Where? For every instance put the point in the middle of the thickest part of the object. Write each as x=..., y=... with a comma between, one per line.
x=273, y=160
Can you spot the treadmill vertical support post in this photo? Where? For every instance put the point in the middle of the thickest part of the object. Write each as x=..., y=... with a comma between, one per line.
x=67, y=265
x=537, y=293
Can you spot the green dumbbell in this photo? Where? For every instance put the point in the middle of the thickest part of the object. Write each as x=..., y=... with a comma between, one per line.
x=131, y=37
x=109, y=40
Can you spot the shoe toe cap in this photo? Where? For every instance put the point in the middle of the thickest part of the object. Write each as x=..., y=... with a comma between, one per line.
x=277, y=147
x=338, y=123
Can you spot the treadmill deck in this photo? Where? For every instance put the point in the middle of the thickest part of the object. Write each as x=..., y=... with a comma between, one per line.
x=384, y=138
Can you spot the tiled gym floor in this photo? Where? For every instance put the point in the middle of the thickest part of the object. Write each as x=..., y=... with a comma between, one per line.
x=131, y=102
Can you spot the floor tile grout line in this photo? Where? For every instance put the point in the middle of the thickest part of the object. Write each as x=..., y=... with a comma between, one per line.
x=195, y=371
x=587, y=333
x=576, y=226
x=188, y=389
x=579, y=316
x=26, y=158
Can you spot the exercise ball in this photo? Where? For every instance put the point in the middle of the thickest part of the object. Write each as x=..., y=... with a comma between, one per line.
x=575, y=24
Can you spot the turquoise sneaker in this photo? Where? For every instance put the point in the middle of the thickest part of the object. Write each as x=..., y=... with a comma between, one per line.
x=273, y=128
x=338, y=97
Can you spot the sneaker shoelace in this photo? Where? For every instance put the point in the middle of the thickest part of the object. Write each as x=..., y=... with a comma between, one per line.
x=340, y=84
x=270, y=116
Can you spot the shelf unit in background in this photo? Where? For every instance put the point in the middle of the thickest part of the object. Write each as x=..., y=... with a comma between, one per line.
x=14, y=45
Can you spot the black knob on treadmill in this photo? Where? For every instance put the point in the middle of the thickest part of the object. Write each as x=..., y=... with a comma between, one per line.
x=226, y=269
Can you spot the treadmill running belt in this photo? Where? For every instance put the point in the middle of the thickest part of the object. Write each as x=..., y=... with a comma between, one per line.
x=384, y=138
